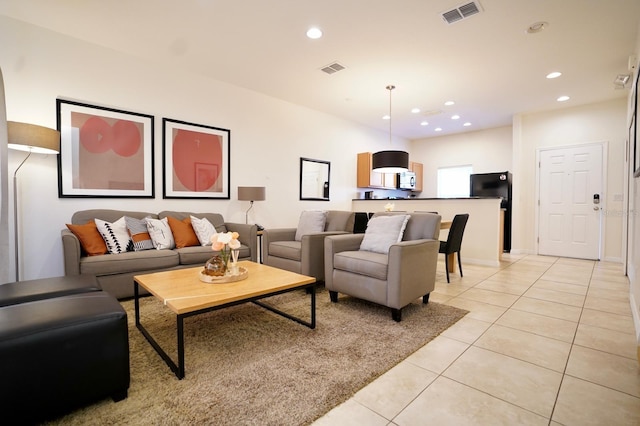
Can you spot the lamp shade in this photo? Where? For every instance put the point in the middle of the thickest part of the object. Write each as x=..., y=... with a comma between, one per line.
x=33, y=138
x=251, y=193
x=390, y=161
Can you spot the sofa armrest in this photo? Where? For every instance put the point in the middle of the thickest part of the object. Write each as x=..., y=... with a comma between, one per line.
x=71, y=252
x=248, y=236
x=278, y=234
x=411, y=270
x=312, y=252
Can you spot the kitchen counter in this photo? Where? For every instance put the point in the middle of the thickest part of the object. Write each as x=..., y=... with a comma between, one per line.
x=483, y=236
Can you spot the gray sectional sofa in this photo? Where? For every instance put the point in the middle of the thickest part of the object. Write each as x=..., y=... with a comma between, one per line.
x=115, y=272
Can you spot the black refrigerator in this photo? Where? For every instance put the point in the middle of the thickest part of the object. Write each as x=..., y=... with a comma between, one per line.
x=496, y=185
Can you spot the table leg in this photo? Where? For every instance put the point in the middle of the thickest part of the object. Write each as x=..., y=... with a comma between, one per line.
x=452, y=262
x=180, y=327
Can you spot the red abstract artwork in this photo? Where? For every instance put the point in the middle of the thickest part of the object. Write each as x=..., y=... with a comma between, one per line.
x=197, y=161
x=110, y=153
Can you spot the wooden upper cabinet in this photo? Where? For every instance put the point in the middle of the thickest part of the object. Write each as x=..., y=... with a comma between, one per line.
x=417, y=168
x=367, y=178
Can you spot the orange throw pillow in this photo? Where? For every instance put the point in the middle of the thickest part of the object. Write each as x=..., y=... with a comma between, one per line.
x=183, y=232
x=90, y=239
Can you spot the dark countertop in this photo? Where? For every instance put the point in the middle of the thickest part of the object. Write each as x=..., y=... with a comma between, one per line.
x=424, y=199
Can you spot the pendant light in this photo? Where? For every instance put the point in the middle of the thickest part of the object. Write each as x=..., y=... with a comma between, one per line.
x=390, y=161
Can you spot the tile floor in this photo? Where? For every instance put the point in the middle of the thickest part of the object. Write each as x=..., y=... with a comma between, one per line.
x=547, y=341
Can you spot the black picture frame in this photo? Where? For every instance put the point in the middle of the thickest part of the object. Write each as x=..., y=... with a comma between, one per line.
x=315, y=176
x=196, y=160
x=633, y=127
x=104, y=152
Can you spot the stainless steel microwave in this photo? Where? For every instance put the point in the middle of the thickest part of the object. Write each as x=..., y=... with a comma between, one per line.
x=407, y=180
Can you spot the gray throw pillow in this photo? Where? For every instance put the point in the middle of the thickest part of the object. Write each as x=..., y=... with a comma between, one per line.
x=310, y=222
x=382, y=232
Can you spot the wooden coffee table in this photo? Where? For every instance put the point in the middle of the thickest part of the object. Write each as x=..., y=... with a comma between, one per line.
x=182, y=291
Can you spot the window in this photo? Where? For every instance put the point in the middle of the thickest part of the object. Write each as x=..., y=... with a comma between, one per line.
x=454, y=181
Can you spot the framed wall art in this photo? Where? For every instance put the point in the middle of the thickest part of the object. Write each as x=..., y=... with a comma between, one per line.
x=634, y=128
x=196, y=160
x=104, y=152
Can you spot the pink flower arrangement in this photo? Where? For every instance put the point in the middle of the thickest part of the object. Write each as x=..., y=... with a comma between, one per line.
x=227, y=244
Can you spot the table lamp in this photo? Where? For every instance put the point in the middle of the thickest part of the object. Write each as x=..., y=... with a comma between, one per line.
x=250, y=193
x=32, y=139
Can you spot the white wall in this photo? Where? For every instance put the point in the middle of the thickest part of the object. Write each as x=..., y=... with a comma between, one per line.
x=633, y=266
x=268, y=136
x=5, y=235
x=600, y=122
x=486, y=150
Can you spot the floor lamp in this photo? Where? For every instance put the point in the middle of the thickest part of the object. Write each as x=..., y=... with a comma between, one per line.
x=32, y=139
x=250, y=193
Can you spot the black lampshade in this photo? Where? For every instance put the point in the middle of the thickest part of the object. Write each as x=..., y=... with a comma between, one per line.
x=390, y=161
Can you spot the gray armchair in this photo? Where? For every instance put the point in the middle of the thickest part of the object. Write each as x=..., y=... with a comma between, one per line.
x=304, y=255
x=395, y=279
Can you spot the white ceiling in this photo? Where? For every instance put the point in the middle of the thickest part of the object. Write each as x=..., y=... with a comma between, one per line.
x=486, y=63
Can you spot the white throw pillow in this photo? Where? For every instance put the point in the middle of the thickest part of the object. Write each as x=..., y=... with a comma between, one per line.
x=384, y=231
x=160, y=233
x=204, y=230
x=115, y=235
x=310, y=222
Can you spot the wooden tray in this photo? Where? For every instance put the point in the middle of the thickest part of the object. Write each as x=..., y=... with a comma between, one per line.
x=243, y=273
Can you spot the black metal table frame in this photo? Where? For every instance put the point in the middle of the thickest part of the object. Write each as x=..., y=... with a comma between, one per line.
x=178, y=369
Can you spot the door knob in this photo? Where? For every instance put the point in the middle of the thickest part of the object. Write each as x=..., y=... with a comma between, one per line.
x=596, y=208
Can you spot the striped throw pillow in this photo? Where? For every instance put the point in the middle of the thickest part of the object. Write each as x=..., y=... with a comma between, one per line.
x=139, y=233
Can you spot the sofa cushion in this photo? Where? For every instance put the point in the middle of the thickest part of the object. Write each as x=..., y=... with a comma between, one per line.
x=160, y=232
x=139, y=233
x=366, y=263
x=115, y=235
x=216, y=219
x=286, y=249
x=183, y=233
x=46, y=288
x=340, y=220
x=310, y=222
x=204, y=230
x=83, y=216
x=198, y=255
x=90, y=239
x=382, y=232
x=134, y=261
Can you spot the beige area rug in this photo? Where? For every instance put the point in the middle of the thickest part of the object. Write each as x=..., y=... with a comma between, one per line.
x=245, y=365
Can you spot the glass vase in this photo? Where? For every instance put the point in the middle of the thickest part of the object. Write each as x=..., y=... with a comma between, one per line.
x=215, y=266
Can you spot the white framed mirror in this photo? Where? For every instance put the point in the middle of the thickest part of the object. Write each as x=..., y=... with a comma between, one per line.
x=314, y=179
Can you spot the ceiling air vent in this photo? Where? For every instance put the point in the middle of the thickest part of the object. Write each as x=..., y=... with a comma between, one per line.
x=461, y=12
x=332, y=68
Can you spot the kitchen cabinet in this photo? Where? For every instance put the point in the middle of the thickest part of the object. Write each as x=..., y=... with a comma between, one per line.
x=367, y=178
x=417, y=168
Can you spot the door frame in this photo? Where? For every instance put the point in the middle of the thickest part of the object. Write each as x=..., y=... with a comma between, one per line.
x=603, y=196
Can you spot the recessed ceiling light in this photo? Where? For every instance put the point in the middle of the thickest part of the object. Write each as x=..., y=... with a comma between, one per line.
x=455, y=117
x=314, y=33
x=554, y=74
x=537, y=27
x=415, y=110
x=438, y=129
x=563, y=98
x=449, y=103
x=424, y=123
x=467, y=124
x=386, y=117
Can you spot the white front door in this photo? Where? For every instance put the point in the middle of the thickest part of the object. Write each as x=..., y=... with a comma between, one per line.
x=570, y=197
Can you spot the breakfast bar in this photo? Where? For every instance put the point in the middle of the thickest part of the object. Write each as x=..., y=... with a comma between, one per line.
x=483, y=237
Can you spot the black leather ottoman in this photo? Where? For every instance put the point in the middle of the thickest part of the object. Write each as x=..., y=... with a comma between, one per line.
x=61, y=353
x=46, y=288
